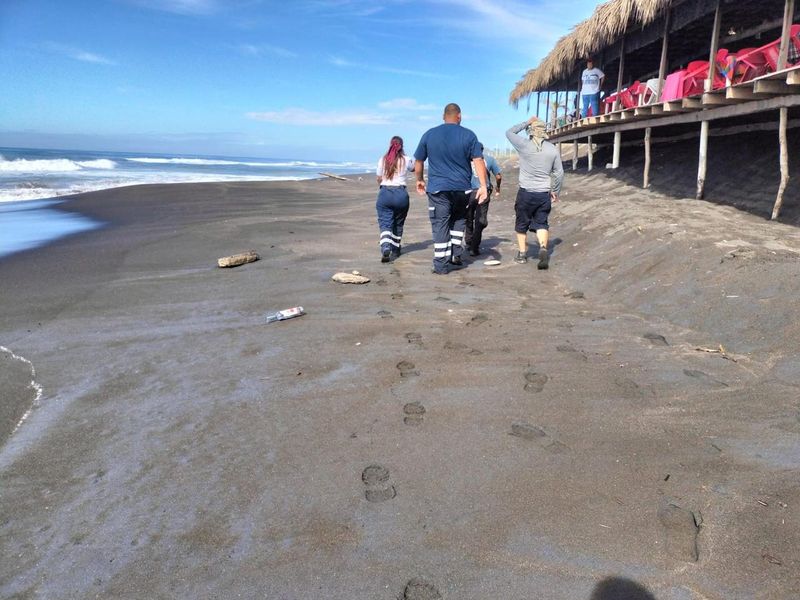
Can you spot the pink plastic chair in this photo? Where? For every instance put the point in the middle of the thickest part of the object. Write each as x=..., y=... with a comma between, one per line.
x=673, y=86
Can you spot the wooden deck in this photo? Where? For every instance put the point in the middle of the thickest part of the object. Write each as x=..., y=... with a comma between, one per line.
x=769, y=92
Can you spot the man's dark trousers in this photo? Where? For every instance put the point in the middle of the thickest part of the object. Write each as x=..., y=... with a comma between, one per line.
x=448, y=212
x=477, y=220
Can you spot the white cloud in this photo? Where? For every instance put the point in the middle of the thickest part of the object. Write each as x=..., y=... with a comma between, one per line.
x=301, y=116
x=77, y=53
x=344, y=63
x=181, y=7
x=258, y=50
x=406, y=104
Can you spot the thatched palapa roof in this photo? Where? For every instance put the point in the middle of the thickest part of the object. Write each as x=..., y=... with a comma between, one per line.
x=607, y=25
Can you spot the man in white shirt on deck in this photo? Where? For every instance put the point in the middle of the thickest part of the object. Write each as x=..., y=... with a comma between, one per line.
x=591, y=84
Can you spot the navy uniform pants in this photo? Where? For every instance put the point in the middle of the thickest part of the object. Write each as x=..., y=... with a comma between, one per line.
x=392, y=207
x=448, y=214
x=477, y=220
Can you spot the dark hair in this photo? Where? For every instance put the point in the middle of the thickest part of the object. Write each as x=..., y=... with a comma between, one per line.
x=452, y=109
x=392, y=157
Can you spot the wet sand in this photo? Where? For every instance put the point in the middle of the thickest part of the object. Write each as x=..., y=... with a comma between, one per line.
x=500, y=432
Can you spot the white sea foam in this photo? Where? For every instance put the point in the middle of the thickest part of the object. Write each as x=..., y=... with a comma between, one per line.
x=38, y=193
x=56, y=165
x=211, y=162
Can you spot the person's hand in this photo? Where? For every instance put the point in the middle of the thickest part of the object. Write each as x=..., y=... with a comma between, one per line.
x=482, y=194
x=553, y=197
x=421, y=188
x=532, y=120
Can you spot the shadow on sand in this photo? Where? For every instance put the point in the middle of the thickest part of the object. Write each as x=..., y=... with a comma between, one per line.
x=619, y=588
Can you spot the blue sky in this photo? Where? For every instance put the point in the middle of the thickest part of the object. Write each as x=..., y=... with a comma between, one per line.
x=307, y=79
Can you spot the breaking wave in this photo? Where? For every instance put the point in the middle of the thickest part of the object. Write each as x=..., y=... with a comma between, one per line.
x=56, y=165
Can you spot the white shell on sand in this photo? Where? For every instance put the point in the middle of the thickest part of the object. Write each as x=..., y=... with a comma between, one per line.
x=491, y=263
x=349, y=278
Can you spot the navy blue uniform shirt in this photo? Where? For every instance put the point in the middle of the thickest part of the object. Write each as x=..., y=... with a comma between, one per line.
x=449, y=150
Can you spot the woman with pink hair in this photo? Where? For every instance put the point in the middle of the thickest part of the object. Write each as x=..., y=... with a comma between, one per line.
x=392, y=204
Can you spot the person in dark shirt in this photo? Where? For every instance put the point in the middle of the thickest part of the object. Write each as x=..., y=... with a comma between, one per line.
x=451, y=151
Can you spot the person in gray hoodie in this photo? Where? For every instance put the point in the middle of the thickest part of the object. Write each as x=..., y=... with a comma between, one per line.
x=540, y=177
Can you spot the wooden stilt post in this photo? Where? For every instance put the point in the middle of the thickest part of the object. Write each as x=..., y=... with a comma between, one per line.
x=621, y=72
x=784, y=118
x=783, y=53
x=712, y=55
x=617, y=146
x=547, y=109
x=701, y=167
x=590, y=154
x=575, y=154
x=538, y=98
x=662, y=67
x=646, y=181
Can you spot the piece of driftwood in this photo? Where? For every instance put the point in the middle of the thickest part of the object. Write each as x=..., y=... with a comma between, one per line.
x=238, y=259
x=350, y=278
x=332, y=176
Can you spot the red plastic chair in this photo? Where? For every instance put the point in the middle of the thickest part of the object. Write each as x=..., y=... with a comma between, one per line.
x=694, y=80
x=772, y=50
x=628, y=97
x=750, y=63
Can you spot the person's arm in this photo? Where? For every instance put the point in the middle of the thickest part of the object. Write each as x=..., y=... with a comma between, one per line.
x=602, y=79
x=498, y=178
x=556, y=177
x=480, y=170
x=419, y=166
x=511, y=135
x=379, y=171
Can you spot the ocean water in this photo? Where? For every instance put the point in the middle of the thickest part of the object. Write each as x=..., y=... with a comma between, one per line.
x=32, y=181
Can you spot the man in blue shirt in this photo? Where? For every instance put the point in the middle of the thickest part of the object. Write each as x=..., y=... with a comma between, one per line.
x=451, y=151
x=478, y=214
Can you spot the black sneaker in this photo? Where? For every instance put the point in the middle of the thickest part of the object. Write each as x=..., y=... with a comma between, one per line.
x=544, y=259
x=397, y=250
x=520, y=258
x=456, y=261
x=386, y=256
x=474, y=252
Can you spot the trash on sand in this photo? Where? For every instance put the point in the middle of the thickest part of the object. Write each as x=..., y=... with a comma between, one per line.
x=721, y=351
x=350, y=278
x=289, y=313
x=491, y=262
x=237, y=259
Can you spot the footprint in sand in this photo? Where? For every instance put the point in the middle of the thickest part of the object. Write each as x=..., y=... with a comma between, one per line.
x=478, y=320
x=705, y=378
x=407, y=369
x=534, y=433
x=376, y=480
x=681, y=527
x=397, y=296
x=572, y=352
x=534, y=382
x=449, y=345
x=414, y=412
x=380, y=282
x=419, y=589
x=656, y=339
x=414, y=338
x=577, y=295
x=385, y=314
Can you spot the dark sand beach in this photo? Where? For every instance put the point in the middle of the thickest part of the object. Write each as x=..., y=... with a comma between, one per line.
x=624, y=425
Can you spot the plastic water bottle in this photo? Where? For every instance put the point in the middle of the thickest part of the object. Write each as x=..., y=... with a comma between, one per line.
x=289, y=313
